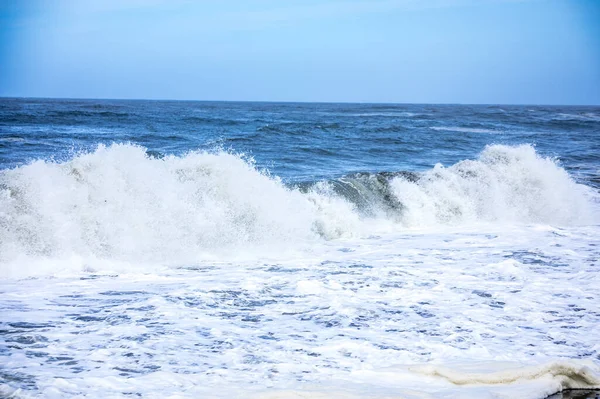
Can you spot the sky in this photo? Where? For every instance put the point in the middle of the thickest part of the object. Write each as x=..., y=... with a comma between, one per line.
x=391, y=51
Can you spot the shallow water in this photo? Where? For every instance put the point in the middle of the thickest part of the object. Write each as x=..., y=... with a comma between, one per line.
x=173, y=266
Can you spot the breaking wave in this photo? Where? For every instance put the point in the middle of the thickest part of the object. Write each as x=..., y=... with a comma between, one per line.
x=505, y=184
x=121, y=203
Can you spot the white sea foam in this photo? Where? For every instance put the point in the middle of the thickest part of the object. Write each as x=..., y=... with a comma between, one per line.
x=119, y=204
x=493, y=380
x=401, y=114
x=506, y=184
x=12, y=139
x=476, y=380
x=585, y=117
x=462, y=129
x=417, y=313
x=391, y=114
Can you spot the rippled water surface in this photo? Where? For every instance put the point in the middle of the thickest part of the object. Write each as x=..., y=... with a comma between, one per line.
x=191, y=249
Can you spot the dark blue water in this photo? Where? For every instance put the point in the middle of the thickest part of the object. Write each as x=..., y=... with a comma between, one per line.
x=302, y=141
x=131, y=273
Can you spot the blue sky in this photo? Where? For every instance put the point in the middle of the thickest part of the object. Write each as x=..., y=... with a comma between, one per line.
x=410, y=51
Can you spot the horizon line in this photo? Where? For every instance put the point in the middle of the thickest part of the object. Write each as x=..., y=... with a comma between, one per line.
x=292, y=102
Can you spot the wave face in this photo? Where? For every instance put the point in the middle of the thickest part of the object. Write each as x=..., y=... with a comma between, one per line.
x=120, y=203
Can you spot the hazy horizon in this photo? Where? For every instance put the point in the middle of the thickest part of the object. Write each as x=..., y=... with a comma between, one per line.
x=292, y=102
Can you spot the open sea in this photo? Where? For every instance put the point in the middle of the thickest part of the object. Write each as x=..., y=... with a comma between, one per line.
x=166, y=249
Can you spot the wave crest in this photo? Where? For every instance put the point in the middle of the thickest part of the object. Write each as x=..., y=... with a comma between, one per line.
x=506, y=184
x=120, y=203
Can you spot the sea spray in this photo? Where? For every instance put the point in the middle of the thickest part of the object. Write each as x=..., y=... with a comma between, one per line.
x=504, y=185
x=118, y=203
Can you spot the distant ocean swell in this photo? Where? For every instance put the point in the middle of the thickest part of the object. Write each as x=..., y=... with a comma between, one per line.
x=119, y=203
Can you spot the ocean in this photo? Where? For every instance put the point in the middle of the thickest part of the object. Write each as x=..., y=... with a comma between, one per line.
x=171, y=249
